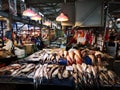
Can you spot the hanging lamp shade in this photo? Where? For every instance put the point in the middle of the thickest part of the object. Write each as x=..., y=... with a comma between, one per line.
x=28, y=12
x=62, y=17
x=47, y=23
x=36, y=17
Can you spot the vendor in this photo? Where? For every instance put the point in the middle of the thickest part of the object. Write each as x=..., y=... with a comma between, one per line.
x=79, y=39
x=8, y=44
x=112, y=46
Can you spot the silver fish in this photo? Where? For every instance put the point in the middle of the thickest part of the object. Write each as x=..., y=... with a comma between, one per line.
x=38, y=71
x=52, y=70
x=74, y=68
x=28, y=68
x=55, y=72
x=84, y=67
x=79, y=68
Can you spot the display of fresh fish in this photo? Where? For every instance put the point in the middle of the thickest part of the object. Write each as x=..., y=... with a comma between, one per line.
x=49, y=68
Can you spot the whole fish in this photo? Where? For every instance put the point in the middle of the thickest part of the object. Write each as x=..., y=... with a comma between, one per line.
x=18, y=71
x=45, y=71
x=84, y=67
x=65, y=53
x=70, y=62
x=28, y=68
x=37, y=71
x=78, y=60
x=52, y=70
x=60, y=71
x=55, y=72
x=71, y=54
x=77, y=52
x=74, y=68
x=79, y=68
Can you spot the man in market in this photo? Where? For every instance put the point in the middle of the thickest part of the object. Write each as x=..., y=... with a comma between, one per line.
x=8, y=44
x=112, y=46
x=38, y=43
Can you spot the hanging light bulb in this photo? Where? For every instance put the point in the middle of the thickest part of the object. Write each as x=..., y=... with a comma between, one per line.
x=62, y=17
x=28, y=12
x=36, y=17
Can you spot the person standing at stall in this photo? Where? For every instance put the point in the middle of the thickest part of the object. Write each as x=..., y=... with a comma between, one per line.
x=8, y=44
x=38, y=43
x=112, y=46
x=78, y=40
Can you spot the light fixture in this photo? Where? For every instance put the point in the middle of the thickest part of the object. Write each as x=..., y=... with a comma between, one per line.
x=29, y=12
x=118, y=19
x=62, y=17
x=47, y=23
x=36, y=17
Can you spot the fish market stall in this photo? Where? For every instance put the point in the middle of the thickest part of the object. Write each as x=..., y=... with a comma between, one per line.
x=60, y=68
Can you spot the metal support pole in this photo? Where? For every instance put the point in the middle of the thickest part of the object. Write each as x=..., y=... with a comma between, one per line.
x=34, y=30
x=105, y=19
x=16, y=27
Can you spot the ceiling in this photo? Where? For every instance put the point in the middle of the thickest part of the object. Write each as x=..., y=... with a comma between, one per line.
x=49, y=8
x=114, y=8
x=52, y=8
